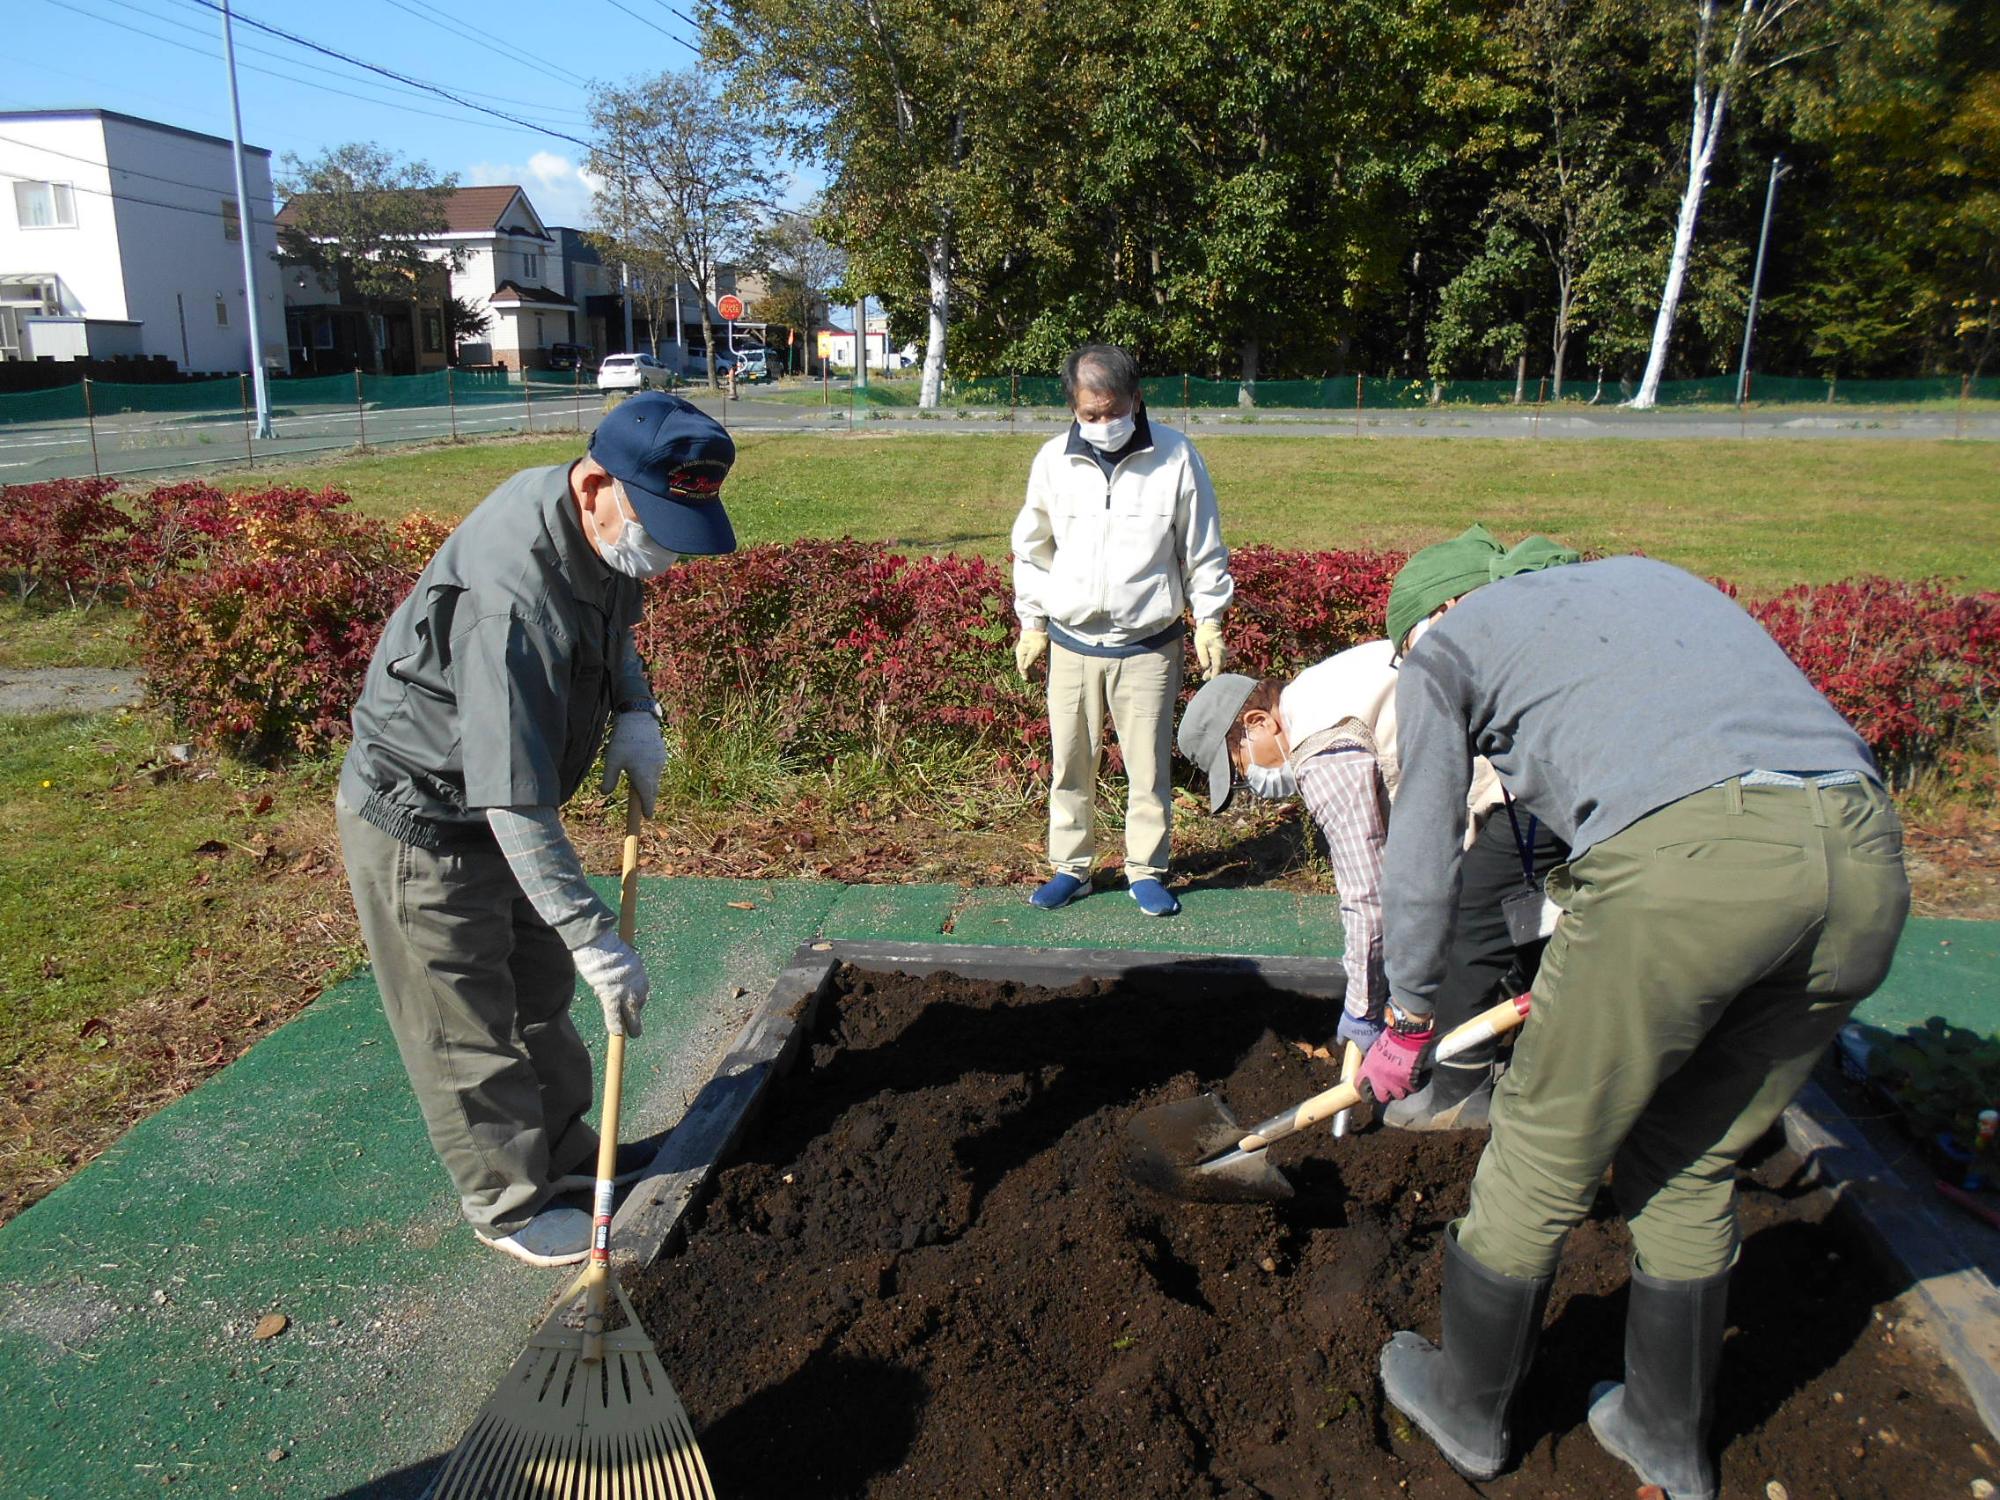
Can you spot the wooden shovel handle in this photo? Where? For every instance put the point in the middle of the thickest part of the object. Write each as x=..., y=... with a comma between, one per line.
x=1492, y=1022
x=597, y=1277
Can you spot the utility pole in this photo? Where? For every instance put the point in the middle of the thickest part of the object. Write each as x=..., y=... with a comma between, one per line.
x=245, y=232
x=1757, y=281
x=861, y=343
x=625, y=296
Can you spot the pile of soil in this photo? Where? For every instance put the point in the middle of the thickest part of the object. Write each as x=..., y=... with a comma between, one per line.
x=928, y=1275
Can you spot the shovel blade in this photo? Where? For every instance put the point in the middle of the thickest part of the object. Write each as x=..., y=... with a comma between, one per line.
x=1187, y=1149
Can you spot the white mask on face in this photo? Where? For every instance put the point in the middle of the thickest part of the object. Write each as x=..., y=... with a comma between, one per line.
x=1274, y=783
x=1110, y=436
x=634, y=553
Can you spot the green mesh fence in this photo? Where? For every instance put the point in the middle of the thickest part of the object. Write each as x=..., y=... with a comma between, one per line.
x=474, y=387
x=193, y=397
x=311, y=391
x=58, y=405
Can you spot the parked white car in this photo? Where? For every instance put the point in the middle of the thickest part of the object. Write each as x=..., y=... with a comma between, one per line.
x=633, y=372
x=753, y=364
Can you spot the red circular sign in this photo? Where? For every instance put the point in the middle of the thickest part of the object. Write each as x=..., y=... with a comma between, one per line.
x=731, y=307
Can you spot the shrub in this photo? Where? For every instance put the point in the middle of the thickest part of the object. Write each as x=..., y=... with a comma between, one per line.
x=1912, y=666
x=64, y=532
x=262, y=650
x=1296, y=608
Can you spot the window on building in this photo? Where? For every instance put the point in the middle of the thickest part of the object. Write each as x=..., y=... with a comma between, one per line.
x=221, y=311
x=232, y=227
x=44, y=205
x=433, y=334
x=531, y=267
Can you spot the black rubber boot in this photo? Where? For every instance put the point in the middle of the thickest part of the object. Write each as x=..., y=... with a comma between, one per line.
x=1456, y=1098
x=1461, y=1395
x=1658, y=1421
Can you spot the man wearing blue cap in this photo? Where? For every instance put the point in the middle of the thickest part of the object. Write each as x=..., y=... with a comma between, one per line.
x=482, y=712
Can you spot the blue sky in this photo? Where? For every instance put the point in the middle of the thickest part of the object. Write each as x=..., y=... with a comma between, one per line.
x=162, y=59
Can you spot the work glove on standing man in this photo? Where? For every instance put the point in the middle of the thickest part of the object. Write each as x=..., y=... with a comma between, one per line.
x=482, y=713
x=1117, y=541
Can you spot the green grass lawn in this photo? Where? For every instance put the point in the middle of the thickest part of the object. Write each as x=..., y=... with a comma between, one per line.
x=1764, y=514
x=53, y=635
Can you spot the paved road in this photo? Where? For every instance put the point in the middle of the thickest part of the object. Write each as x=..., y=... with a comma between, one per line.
x=154, y=443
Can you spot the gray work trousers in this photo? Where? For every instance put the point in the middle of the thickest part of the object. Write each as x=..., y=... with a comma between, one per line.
x=477, y=989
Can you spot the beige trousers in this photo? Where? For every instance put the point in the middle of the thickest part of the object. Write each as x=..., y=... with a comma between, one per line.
x=1140, y=693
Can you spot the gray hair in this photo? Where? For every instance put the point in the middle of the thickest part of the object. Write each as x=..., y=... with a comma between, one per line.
x=1104, y=368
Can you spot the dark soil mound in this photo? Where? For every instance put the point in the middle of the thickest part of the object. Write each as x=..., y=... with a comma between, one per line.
x=928, y=1276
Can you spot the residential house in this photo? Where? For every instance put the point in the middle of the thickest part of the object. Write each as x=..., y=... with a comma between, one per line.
x=119, y=239
x=837, y=345
x=512, y=270
x=326, y=323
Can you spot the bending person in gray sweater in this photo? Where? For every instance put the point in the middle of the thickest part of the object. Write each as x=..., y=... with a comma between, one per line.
x=1735, y=888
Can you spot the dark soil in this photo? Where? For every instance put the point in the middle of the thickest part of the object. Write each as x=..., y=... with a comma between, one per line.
x=928, y=1276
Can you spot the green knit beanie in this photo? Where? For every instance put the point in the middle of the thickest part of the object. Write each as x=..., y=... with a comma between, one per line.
x=1439, y=574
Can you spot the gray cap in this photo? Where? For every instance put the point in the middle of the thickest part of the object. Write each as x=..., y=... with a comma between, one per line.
x=1204, y=734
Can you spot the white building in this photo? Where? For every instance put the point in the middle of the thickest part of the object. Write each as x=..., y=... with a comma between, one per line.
x=119, y=237
x=513, y=270
x=837, y=345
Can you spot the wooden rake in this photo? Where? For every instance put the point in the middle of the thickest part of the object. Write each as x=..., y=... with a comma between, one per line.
x=586, y=1414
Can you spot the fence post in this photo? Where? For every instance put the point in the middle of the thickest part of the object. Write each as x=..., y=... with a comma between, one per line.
x=360, y=414
x=527, y=395
x=243, y=395
x=1964, y=395
x=577, y=381
x=826, y=381
x=91, y=421
x=1013, y=398
x=1541, y=392
x=1187, y=411
x=1357, y=406
x=450, y=403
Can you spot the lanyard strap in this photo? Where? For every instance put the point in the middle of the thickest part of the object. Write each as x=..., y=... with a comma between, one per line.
x=1523, y=847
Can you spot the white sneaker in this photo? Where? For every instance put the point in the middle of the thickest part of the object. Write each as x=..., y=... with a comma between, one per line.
x=557, y=1236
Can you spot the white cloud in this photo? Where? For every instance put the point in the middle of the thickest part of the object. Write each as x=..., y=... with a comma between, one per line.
x=557, y=186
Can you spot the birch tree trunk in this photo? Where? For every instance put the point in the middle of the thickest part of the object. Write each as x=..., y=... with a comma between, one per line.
x=1711, y=105
x=937, y=264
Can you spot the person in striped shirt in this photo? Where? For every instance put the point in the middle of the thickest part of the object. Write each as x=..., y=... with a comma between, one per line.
x=1329, y=737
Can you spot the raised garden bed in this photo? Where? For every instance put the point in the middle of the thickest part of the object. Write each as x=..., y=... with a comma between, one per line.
x=925, y=1274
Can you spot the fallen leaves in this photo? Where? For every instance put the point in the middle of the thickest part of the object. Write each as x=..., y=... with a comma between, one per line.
x=741, y=905
x=271, y=1325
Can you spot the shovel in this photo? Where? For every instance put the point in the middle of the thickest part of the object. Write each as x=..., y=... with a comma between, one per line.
x=1196, y=1149
x=586, y=1411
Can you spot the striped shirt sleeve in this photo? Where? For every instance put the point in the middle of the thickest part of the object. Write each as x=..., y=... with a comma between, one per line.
x=544, y=862
x=1344, y=792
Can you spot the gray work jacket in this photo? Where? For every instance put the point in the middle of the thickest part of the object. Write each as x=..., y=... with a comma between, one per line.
x=494, y=680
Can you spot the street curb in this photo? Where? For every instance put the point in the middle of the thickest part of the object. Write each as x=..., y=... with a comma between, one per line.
x=1905, y=1234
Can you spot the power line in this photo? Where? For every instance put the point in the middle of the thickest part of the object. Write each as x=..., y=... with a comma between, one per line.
x=89, y=161
x=268, y=72
x=670, y=36
x=433, y=17
x=430, y=88
x=179, y=208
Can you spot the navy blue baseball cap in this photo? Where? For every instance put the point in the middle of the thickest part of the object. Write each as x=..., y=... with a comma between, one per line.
x=672, y=458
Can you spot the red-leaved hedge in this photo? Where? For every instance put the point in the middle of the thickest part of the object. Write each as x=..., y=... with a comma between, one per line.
x=259, y=611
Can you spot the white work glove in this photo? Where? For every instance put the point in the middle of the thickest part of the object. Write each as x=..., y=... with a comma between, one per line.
x=638, y=753
x=616, y=973
x=1208, y=650
x=1029, y=648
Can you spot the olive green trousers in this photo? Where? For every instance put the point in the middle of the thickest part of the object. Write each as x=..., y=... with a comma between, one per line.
x=1704, y=958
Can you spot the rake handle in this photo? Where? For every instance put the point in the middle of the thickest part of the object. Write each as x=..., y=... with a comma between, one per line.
x=597, y=1279
x=1492, y=1022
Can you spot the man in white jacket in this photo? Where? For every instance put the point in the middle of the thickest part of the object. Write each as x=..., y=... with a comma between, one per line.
x=1118, y=538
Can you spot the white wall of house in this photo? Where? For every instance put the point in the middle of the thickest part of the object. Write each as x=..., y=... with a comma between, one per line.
x=153, y=240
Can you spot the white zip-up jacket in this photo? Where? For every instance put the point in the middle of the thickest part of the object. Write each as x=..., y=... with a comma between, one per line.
x=1113, y=561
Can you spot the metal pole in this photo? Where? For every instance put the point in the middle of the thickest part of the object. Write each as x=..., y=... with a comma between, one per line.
x=91, y=421
x=1757, y=282
x=246, y=230
x=1013, y=397
x=625, y=297
x=1541, y=392
x=243, y=395
x=360, y=416
x=450, y=403
x=1357, y=406
x=1187, y=411
x=527, y=394
x=577, y=381
x=1964, y=395
x=861, y=344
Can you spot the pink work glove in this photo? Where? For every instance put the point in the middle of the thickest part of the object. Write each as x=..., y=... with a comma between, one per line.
x=1389, y=1070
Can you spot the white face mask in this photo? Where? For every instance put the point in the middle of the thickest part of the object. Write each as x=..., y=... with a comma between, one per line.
x=1110, y=436
x=1274, y=783
x=637, y=555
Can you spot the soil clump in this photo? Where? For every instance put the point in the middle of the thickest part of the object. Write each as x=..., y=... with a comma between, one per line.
x=927, y=1274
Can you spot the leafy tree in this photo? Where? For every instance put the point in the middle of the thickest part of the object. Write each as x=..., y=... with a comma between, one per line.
x=800, y=266
x=370, y=220
x=463, y=321
x=683, y=178
x=1479, y=313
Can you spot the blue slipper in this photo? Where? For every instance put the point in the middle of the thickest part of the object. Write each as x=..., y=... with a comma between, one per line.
x=1060, y=891
x=1154, y=899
